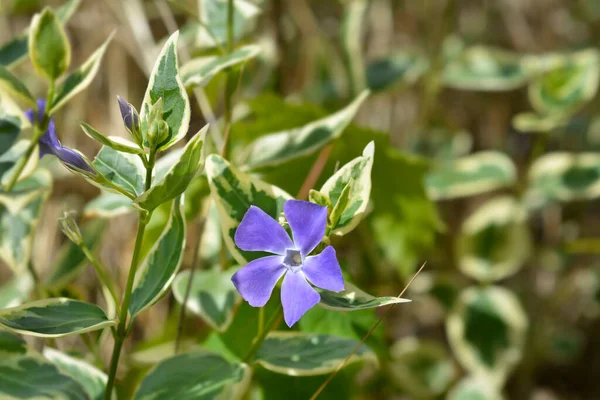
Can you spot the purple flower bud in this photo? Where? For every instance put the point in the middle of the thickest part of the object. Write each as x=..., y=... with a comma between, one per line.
x=291, y=260
x=130, y=116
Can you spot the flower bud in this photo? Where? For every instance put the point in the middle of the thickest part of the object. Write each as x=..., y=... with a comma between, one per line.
x=158, y=132
x=131, y=119
x=70, y=228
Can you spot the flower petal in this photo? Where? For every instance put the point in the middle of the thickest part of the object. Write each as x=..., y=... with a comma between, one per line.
x=41, y=106
x=258, y=231
x=308, y=222
x=323, y=270
x=297, y=297
x=256, y=280
x=50, y=140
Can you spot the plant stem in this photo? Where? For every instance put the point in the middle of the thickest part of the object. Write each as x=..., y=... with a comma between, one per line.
x=122, y=330
x=274, y=321
x=102, y=275
x=229, y=83
x=315, y=172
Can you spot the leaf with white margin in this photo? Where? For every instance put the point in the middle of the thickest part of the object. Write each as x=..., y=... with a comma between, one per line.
x=165, y=83
x=176, y=179
x=28, y=375
x=353, y=299
x=9, y=161
x=470, y=175
x=276, y=148
x=494, y=241
x=308, y=354
x=563, y=176
x=212, y=296
x=195, y=376
x=108, y=205
x=14, y=292
x=199, y=71
x=234, y=192
x=487, y=330
x=213, y=21
x=56, y=317
x=115, y=142
x=124, y=170
x=49, y=46
x=400, y=67
x=92, y=379
x=20, y=212
x=79, y=79
x=11, y=85
x=157, y=271
x=474, y=387
x=359, y=172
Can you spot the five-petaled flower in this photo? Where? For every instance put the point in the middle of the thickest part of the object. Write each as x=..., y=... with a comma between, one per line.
x=260, y=232
x=49, y=143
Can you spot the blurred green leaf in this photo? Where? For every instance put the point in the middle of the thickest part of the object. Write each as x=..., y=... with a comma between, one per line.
x=213, y=18
x=15, y=291
x=108, y=205
x=399, y=68
x=49, y=47
x=474, y=388
x=12, y=86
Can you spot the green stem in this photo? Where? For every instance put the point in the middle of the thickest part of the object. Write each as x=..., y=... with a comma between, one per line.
x=122, y=329
x=229, y=83
x=274, y=321
x=102, y=275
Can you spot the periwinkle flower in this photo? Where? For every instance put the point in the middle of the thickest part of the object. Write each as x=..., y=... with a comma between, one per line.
x=49, y=143
x=260, y=232
x=130, y=118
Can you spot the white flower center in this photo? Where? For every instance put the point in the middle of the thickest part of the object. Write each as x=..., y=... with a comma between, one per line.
x=293, y=260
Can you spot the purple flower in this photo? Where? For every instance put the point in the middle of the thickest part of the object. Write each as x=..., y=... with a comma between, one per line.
x=260, y=232
x=130, y=117
x=49, y=143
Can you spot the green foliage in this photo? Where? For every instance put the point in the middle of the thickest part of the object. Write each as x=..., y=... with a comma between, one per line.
x=49, y=47
x=352, y=299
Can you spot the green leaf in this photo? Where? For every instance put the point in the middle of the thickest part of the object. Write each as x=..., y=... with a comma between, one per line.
x=308, y=354
x=566, y=81
x=357, y=171
x=178, y=177
x=424, y=369
x=532, y=122
x=15, y=291
x=9, y=160
x=352, y=299
x=341, y=324
x=123, y=170
x=114, y=142
x=563, y=176
x=108, y=205
x=485, y=69
x=195, y=376
x=495, y=241
x=474, y=388
x=16, y=49
x=79, y=79
x=92, y=379
x=25, y=374
x=11, y=85
x=157, y=271
x=487, y=330
x=213, y=21
x=54, y=318
x=49, y=47
x=234, y=192
x=20, y=212
x=71, y=259
x=471, y=175
x=165, y=83
x=399, y=68
x=11, y=125
x=277, y=148
x=212, y=296
x=199, y=71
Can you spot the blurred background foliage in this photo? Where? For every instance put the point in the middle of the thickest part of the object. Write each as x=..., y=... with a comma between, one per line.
x=484, y=118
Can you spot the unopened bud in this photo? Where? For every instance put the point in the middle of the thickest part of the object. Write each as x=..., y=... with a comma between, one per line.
x=158, y=132
x=156, y=112
x=70, y=228
x=317, y=197
x=131, y=119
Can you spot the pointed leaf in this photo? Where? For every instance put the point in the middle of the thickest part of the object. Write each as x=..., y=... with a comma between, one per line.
x=54, y=318
x=124, y=170
x=14, y=87
x=49, y=47
x=10, y=158
x=165, y=83
x=212, y=296
x=359, y=172
x=277, y=148
x=195, y=376
x=352, y=299
x=108, y=205
x=178, y=177
x=234, y=192
x=486, y=330
x=308, y=354
x=79, y=79
x=12, y=122
x=394, y=70
x=114, y=142
x=199, y=71
x=158, y=270
x=470, y=175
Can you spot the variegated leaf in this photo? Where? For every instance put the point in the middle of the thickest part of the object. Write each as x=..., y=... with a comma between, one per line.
x=353, y=299
x=124, y=170
x=213, y=21
x=399, y=68
x=474, y=387
x=199, y=71
x=49, y=46
x=11, y=85
x=108, y=205
x=157, y=271
x=14, y=292
x=54, y=317
x=165, y=83
x=358, y=172
x=10, y=158
x=115, y=142
x=234, y=192
x=277, y=148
